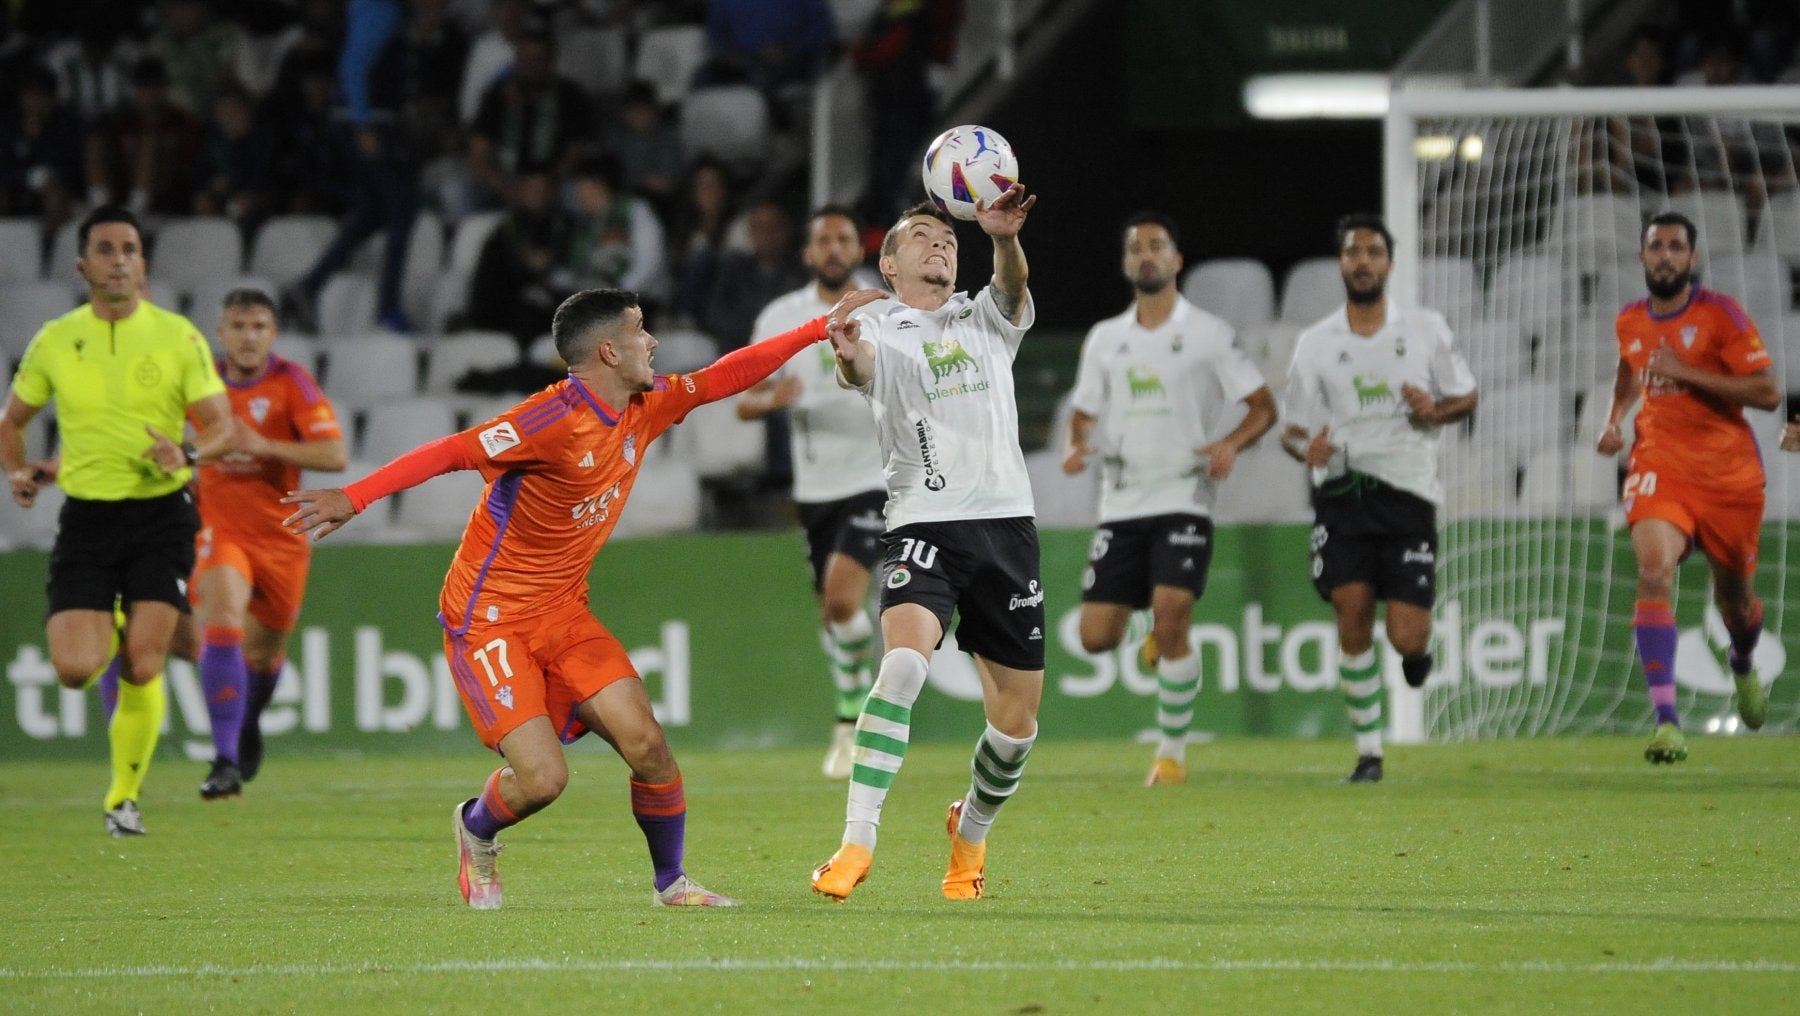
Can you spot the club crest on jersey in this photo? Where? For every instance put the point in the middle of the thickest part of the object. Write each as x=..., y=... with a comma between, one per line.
x=900, y=576
x=630, y=449
x=1687, y=336
x=259, y=409
x=498, y=438
x=1637, y=346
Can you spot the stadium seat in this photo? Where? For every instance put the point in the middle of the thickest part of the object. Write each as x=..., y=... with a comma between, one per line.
x=1480, y=482
x=1593, y=478
x=728, y=122
x=718, y=444
x=59, y=262
x=1531, y=290
x=1313, y=289
x=299, y=348
x=1720, y=218
x=543, y=353
x=668, y=57
x=1497, y=353
x=1762, y=284
x=25, y=306
x=33, y=527
x=287, y=246
x=453, y=356
x=1601, y=229
x=1544, y=483
x=368, y=369
x=204, y=301
x=450, y=292
x=1266, y=485
x=186, y=253
x=482, y=410
x=1778, y=228
x=1240, y=290
x=665, y=499
x=22, y=239
x=1522, y=418
x=424, y=262
x=1590, y=415
x=163, y=295
x=680, y=351
x=597, y=59
x=439, y=508
x=374, y=524
x=1271, y=348
x=392, y=428
x=346, y=305
x=1063, y=501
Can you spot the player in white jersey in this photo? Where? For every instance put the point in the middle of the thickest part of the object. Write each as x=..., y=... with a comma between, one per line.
x=1158, y=380
x=1368, y=391
x=838, y=486
x=961, y=536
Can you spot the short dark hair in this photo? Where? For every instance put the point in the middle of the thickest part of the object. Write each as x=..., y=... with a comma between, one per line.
x=1364, y=220
x=605, y=168
x=577, y=317
x=99, y=217
x=839, y=211
x=245, y=297
x=150, y=71
x=1670, y=219
x=640, y=93
x=1149, y=218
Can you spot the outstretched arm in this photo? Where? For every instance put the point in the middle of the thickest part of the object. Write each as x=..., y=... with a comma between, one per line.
x=322, y=512
x=1002, y=221
x=739, y=369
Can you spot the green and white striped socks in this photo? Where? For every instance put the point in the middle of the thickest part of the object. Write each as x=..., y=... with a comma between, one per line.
x=882, y=731
x=847, y=646
x=1360, y=677
x=1177, y=682
x=999, y=760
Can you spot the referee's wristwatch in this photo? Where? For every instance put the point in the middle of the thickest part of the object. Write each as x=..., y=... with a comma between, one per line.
x=190, y=453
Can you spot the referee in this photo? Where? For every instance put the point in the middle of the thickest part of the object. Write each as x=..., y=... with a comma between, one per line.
x=124, y=374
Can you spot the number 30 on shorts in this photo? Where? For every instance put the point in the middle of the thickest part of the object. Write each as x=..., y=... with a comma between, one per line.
x=1638, y=483
x=491, y=655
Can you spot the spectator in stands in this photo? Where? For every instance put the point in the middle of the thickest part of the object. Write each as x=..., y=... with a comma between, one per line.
x=646, y=146
x=512, y=290
x=93, y=70
x=435, y=52
x=384, y=171
x=237, y=161
x=895, y=53
x=701, y=221
x=315, y=40
x=1645, y=147
x=615, y=240
x=143, y=155
x=1749, y=156
x=40, y=154
x=310, y=162
x=749, y=281
x=777, y=41
x=532, y=117
x=491, y=55
x=200, y=53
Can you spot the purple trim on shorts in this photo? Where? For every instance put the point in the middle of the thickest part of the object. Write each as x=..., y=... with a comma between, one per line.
x=465, y=678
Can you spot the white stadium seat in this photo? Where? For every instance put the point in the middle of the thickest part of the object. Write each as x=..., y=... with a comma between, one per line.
x=1266, y=485
x=728, y=122
x=205, y=301
x=188, y=252
x=453, y=356
x=1448, y=285
x=668, y=57
x=439, y=508
x=372, y=368
x=24, y=307
x=287, y=246
x=33, y=527
x=1063, y=501
x=597, y=59
x=450, y=292
x=391, y=429
x=1313, y=289
x=665, y=499
x=680, y=351
x=1720, y=218
x=22, y=241
x=346, y=305
x=718, y=444
x=1240, y=290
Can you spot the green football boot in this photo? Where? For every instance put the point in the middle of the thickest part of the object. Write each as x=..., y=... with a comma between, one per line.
x=1668, y=744
x=1752, y=700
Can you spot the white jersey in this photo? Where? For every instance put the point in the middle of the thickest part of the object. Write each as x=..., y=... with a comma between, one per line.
x=1352, y=382
x=831, y=431
x=945, y=410
x=1158, y=394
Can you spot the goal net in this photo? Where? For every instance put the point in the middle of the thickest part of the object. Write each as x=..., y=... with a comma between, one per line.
x=1517, y=214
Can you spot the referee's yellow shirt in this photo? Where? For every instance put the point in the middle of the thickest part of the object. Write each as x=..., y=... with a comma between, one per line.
x=109, y=379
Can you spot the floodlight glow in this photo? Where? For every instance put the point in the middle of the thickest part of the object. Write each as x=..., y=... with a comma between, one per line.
x=1301, y=96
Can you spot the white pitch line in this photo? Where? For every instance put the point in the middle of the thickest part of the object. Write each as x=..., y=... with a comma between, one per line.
x=1666, y=965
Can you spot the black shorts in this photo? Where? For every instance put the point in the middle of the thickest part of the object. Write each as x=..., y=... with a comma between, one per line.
x=139, y=549
x=1367, y=531
x=1131, y=557
x=986, y=570
x=849, y=526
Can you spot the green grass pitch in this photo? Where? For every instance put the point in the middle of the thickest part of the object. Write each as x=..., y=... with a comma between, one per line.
x=1524, y=875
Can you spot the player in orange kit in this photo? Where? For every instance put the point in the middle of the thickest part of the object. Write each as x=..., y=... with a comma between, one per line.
x=251, y=572
x=533, y=666
x=1695, y=476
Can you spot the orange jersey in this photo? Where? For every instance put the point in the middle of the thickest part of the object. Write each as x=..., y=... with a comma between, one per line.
x=1688, y=435
x=559, y=467
x=240, y=494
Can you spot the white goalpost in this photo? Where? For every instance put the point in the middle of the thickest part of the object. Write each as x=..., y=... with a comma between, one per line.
x=1517, y=214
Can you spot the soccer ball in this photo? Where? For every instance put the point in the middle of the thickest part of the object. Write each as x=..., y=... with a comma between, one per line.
x=968, y=164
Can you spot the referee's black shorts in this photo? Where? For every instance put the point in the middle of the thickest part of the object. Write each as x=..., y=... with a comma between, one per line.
x=136, y=549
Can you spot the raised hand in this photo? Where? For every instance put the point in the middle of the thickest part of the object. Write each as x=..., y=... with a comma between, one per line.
x=1320, y=449
x=1006, y=215
x=1075, y=460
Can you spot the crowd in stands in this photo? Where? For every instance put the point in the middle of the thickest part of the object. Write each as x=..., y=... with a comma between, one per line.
x=635, y=143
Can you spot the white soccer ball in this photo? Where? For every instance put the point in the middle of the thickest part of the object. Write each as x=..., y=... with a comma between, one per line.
x=968, y=164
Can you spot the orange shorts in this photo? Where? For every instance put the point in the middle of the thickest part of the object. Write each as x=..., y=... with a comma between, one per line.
x=275, y=568
x=1725, y=525
x=508, y=672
